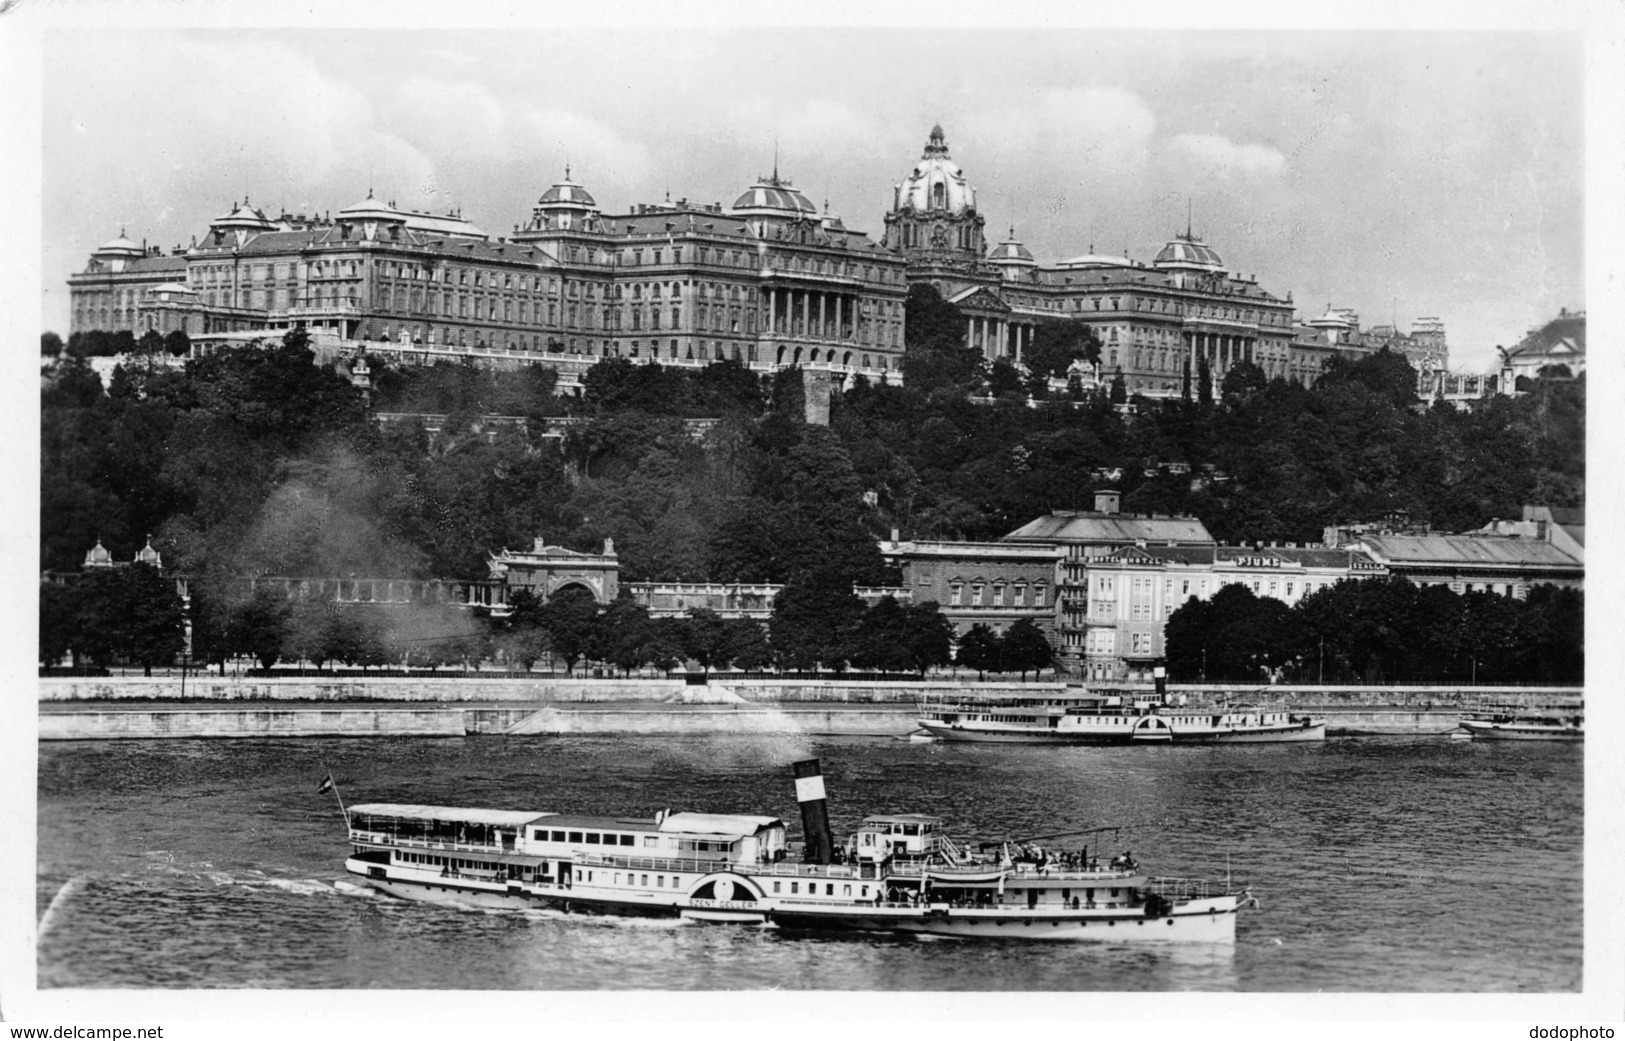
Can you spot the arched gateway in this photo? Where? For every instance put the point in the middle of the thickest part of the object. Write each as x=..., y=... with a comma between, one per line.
x=543, y=570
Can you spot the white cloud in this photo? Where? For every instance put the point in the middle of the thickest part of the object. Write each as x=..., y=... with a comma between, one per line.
x=1222, y=156
x=459, y=117
x=594, y=149
x=1094, y=130
x=816, y=127
x=240, y=101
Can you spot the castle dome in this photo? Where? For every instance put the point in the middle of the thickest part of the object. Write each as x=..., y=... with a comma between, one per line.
x=1188, y=251
x=1336, y=318
x=371, y=209
x=936, y=183
x=773, y=196
x=244, y=216
x=120, y=246
x=567, y=194
x=1010, y=252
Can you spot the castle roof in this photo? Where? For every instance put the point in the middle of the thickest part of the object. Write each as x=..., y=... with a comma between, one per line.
x=1080, y=526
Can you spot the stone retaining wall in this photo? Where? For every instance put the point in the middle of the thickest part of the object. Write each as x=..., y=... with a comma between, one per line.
x=534, y=690
x=386, y=688
x=267, y=722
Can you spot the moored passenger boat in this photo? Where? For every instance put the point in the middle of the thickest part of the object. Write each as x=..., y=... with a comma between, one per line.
x=1523, y=723
x=897, y=873
x=1110, y=719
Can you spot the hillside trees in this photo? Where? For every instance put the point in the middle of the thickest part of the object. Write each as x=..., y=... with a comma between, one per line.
x=256, y=461
x=131, y=614
x=936, y=359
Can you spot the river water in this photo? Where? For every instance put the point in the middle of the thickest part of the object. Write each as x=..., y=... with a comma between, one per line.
x=1382, y=864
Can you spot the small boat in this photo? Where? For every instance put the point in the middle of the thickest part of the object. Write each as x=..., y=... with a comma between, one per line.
x=898, y=873
x=1523, y=723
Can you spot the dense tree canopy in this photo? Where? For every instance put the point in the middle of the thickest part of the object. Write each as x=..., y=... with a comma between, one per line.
x=1379, y=630
x=258, y=462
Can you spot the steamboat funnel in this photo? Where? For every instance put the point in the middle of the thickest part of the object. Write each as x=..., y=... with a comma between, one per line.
x=814, y=811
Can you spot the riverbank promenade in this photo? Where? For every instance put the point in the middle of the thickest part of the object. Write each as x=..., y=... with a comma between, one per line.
x=89, y=708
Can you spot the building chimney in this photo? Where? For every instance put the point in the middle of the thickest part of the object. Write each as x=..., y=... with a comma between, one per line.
x=814, y=812
x=1107, y=502
x=894, y=536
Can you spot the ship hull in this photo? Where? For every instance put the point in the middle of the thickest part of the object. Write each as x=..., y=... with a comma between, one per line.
x=1018, y=737
x=1515, y=732
x=1187, y=736
x=1217, y=927
x=1200, y=921
x=1317, y=732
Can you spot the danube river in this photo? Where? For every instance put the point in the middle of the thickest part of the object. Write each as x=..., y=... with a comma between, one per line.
x=1382, y=864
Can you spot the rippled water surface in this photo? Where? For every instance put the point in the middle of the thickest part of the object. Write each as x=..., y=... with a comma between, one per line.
x=1382, y=864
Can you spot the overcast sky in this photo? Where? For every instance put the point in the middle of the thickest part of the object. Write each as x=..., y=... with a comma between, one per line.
x=1401, y=174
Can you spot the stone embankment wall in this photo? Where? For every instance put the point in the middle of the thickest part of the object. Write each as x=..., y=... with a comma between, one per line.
x=156, y=707
x=348, y=689
x=263, y=722
x=532, y=690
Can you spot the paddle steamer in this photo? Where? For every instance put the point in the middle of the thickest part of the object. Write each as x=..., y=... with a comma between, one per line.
x=898, y=873
x=1110, y=719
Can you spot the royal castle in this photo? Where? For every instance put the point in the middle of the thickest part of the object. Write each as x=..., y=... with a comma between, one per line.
x=770, y=281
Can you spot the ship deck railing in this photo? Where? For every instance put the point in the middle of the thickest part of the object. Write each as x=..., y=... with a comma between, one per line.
x=1019, y=871
x=787, y=868
x=1181, y=889
x=384, y=838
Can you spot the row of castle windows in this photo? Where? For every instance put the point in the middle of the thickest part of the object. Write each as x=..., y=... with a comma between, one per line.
x=1018, y=591
x=703, y=351
x=1115, y=303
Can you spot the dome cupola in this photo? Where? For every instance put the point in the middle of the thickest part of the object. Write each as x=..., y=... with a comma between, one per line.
x=567, y=195
x=98, y=556
x=1188, y=252
x=240, y=225
x=148, y=555
x=933, y=212
x=371, y=209
x=936, y=184
x=120, y=247
x=1012, y=258
x=116, y=255
x=564, y=206
x=773, y=196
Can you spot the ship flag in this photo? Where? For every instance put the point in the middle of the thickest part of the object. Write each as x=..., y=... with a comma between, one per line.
x=326, y=785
